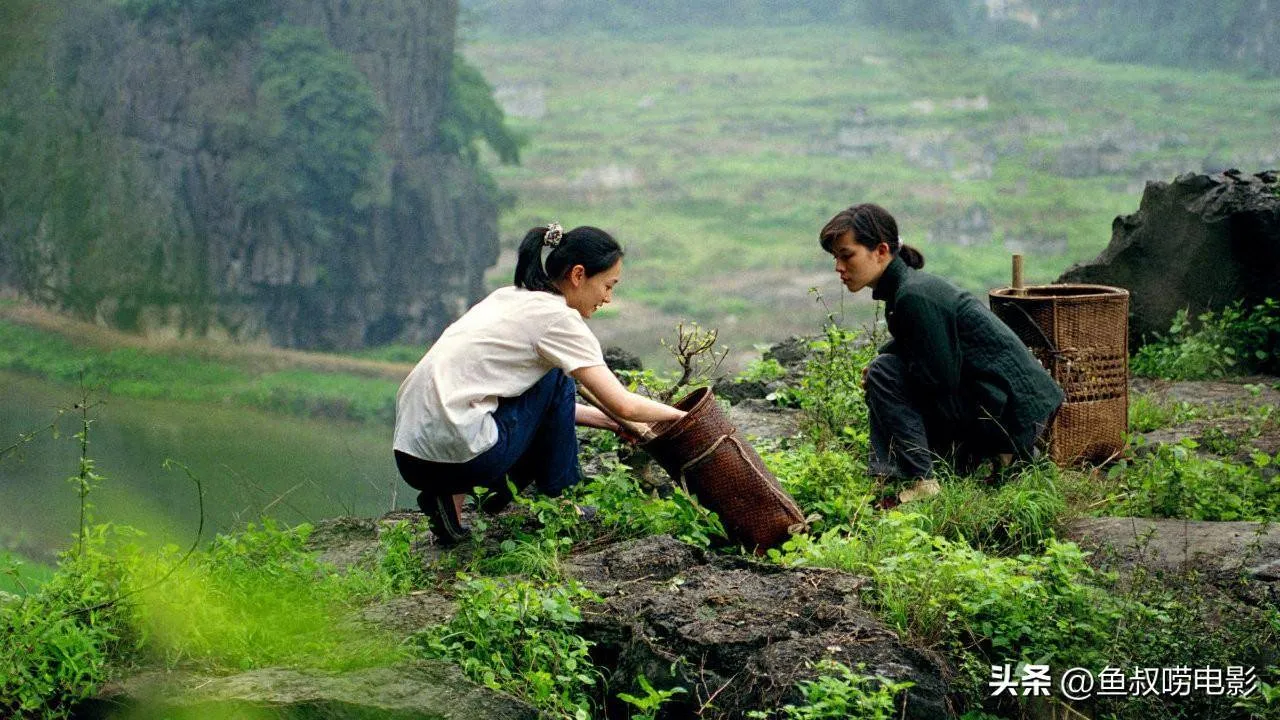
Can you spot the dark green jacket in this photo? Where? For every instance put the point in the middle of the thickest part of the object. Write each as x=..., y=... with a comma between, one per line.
x=960, y=357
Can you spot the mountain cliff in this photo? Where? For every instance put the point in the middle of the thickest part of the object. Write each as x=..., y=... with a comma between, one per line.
x=301, y=171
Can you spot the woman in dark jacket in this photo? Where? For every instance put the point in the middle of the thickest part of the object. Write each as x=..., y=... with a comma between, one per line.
x=954, y=380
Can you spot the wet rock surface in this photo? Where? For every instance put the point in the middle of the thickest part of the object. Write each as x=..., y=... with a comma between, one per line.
x=421, y=691
x=736, y=633
x=1216, y=549
x=1250, y=391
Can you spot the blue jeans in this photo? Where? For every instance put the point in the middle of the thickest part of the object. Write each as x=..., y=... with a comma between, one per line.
x=537, y=444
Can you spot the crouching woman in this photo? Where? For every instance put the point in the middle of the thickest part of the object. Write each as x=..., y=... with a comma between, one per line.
x=494, y=397
x=954, y=381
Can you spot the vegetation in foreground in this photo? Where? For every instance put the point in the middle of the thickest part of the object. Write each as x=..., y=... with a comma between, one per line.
x=977, y=573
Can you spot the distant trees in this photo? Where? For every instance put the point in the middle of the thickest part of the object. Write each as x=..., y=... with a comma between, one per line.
x=1229, y=33
x=1226, y=33
x=308, y=157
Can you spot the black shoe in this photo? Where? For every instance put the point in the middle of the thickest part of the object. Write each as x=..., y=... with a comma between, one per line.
x=443, y=517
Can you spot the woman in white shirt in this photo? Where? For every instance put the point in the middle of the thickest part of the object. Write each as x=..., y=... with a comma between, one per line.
x=495, y=395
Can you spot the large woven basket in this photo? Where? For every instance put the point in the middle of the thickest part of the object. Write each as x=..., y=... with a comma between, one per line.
x=713, y=460
x=1080, y=333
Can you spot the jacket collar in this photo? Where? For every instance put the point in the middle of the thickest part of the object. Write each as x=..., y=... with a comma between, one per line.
x=895, y=273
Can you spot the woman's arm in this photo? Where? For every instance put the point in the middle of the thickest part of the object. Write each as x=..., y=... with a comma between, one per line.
x=588, y=416
x=602, y=383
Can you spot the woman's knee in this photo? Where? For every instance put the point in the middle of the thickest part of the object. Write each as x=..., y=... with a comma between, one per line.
x=885, y=371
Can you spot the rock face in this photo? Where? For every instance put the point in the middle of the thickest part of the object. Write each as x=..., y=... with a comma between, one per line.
x=176, y=99
x=1200, y=242
x=735, y=632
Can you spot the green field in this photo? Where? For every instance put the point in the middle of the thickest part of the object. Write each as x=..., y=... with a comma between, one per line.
x=715, y=155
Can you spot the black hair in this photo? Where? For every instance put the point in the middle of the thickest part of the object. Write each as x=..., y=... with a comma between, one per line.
x=592, y=248
x=870, y=225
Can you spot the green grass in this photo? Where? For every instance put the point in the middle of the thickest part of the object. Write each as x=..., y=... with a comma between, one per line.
x=188, y=377
x=736, y=157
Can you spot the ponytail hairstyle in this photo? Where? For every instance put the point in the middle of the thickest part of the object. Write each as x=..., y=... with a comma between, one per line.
x=592, y=248
x=870, y=225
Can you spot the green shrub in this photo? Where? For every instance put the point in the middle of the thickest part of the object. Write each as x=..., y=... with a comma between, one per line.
x=1147, y=413
x=1233, y=341
x=401, y=565
x=1020, y=515
x=632, y=511
x=1043, y=608
x=257, y=598
x=840, y=692
x=830, y=390
x=56, y=644
x=831, y=483
x=1174, y=481
x=518, y=637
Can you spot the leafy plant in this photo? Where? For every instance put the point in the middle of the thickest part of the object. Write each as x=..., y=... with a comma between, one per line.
x=1232, y=341
x=630, y=510
x=830, y=391
x=518, y=637
x=56, y=644
x=840, y=692
x=400, y=564
x=647, y=705
x=1147, y=413
x=1174, y=481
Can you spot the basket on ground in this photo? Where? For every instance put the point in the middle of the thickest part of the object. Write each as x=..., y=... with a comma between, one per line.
x=713, y=460
x=1080, y=333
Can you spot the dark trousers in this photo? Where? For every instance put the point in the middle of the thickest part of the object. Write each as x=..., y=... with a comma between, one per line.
x=536, y=444
x=907, y=435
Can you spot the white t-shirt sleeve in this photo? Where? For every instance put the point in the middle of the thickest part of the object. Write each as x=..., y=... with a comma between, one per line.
x=569, y=344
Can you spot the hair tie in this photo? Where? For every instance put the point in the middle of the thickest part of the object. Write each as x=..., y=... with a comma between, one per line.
x=551, y=238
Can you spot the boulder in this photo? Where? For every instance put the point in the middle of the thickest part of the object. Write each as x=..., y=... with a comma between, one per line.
x=617, y=358
x=738, y=634
x=1200, y=242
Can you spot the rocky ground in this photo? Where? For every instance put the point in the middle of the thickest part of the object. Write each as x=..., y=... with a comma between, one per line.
x=733, y=629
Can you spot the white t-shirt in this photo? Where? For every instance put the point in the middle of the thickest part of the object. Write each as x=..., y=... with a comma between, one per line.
x=497, y=349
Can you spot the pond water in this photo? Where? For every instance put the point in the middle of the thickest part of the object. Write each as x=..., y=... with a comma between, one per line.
x=249, y=463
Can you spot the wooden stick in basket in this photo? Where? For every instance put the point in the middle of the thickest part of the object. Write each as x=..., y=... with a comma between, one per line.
x=638, y=429
x=1018, y=287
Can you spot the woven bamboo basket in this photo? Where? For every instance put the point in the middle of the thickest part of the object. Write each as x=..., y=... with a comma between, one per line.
x=713, y=460
x=1080, y=333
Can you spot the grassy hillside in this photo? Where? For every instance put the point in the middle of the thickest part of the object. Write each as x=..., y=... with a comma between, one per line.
x=716, y=155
